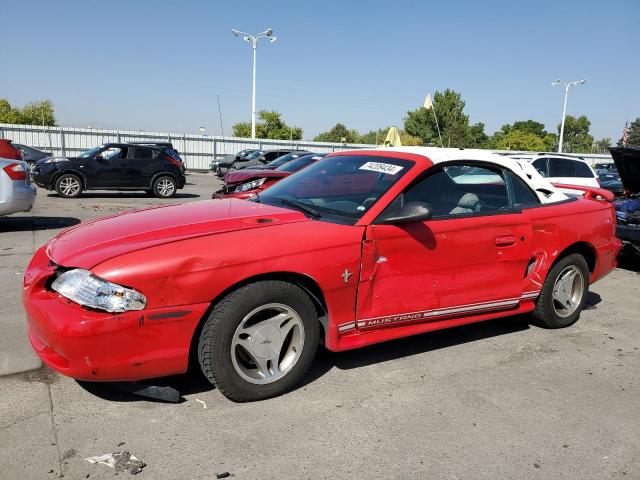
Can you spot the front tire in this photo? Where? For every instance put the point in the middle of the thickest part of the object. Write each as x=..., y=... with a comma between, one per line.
x=68, y=185
x=259, y=341
x=564, y=293
x=164, y=187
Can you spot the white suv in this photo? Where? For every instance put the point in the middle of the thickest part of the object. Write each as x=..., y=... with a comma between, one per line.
x=558, y=168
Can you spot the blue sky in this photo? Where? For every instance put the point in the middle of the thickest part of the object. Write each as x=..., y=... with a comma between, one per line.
x=158, y=65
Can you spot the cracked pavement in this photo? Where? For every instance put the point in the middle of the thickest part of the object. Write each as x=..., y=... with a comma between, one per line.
x=500, y=399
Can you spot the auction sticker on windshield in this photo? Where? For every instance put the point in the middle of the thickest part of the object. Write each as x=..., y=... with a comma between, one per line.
x=381, y=167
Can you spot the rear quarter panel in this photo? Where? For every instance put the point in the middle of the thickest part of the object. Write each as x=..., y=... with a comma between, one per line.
x=558, y=226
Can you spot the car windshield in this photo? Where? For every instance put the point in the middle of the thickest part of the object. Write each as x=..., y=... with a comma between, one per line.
x=285, y=158
x=91, y=152
x=338, y=189
x=298, y=164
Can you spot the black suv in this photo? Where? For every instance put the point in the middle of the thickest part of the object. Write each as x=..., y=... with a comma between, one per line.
x=155, y=168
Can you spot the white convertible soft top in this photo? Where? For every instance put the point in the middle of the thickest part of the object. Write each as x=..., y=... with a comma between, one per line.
x=546, y=192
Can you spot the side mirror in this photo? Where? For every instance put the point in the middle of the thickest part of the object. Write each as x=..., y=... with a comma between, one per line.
x=412, y=212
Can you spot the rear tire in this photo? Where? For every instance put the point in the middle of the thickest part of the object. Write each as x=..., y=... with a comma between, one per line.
x=259, y=341
x=164, y=187
x=69, y=185
x=564, y=293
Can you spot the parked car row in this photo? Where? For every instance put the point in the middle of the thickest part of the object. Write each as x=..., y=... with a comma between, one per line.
x=254, y=159
x=248, y=182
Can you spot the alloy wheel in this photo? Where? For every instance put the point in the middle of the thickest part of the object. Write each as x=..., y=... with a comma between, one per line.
x=70, y=186
x=267, y=343
x=568, y=290
x=165, y=187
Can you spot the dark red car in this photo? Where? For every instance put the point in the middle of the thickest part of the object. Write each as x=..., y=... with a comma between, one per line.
x=247, y=183
x=8, y=151
x=362, y=247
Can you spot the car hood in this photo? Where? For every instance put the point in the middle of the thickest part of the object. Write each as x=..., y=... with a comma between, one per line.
x=627, y=160
x=91, y=243
x=249, y=174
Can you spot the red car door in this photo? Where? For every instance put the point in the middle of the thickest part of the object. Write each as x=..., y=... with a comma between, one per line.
x=471, y=257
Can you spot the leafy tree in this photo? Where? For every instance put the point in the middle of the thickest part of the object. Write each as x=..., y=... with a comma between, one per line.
x=602, y=145
x=375, y=137
x=576, y=135
x=527, y=135
x=520, y=140
x=454, y=124
x=633, y=139
x=242, y=129
x=339, y=134
x=34, y=113
x=271, y=127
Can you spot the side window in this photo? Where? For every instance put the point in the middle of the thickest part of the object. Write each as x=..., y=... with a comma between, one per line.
x=113, y=153
x=141, y=153
x=562, y=167
x=583, y=170
x=541, y=166
x=459, y=190
x=523, y=196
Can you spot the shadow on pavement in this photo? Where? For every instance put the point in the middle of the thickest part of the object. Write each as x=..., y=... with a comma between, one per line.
x=123, y=195
x=417, y=344
x=629, y=261
x=28, y=223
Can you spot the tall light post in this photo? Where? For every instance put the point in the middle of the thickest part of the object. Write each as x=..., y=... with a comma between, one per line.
x=567, y=85
x=253, y=40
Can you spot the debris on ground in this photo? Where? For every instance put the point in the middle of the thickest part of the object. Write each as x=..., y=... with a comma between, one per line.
x=120, y=462
x=204, y=405
x=223, y=475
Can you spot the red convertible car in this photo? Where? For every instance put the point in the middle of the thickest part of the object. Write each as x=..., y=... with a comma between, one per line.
x=361, y=247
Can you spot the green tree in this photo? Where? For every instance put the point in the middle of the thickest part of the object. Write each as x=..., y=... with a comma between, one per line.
x=454, y=124
x=271, y=126
x=374, y=137
x=601, y=146
x=527, y=135
x=34, y=113
x=577, y=138
x=339, y=134
x=633, y=139
x=520, y=140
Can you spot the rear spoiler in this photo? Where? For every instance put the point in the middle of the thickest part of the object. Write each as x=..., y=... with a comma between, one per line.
x=590, y=193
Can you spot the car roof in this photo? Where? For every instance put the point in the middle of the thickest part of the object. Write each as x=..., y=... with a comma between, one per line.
x=160, y=145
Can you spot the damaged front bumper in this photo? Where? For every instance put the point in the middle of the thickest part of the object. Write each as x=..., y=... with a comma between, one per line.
x=93, y=345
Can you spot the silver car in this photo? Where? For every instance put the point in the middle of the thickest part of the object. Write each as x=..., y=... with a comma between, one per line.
x=16, y=192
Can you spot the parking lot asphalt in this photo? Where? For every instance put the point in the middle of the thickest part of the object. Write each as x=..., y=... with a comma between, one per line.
x=496, y=400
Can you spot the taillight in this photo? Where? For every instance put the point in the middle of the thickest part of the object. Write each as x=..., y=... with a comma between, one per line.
x=173, y=161
x=16, y=171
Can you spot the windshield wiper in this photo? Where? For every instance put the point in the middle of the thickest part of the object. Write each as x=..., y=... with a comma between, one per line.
x=301, y=206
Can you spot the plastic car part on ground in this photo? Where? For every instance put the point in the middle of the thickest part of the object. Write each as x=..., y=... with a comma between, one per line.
x=120, y=461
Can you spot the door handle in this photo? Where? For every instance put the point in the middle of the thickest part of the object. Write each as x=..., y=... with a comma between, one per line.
x=505, y=240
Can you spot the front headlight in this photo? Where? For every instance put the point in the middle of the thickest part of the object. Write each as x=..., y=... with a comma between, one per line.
x=250, y=185
x=82, y=287
x=55, y=160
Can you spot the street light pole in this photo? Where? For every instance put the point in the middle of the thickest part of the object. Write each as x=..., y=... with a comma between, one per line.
x=567, y=85
x=253, y=39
